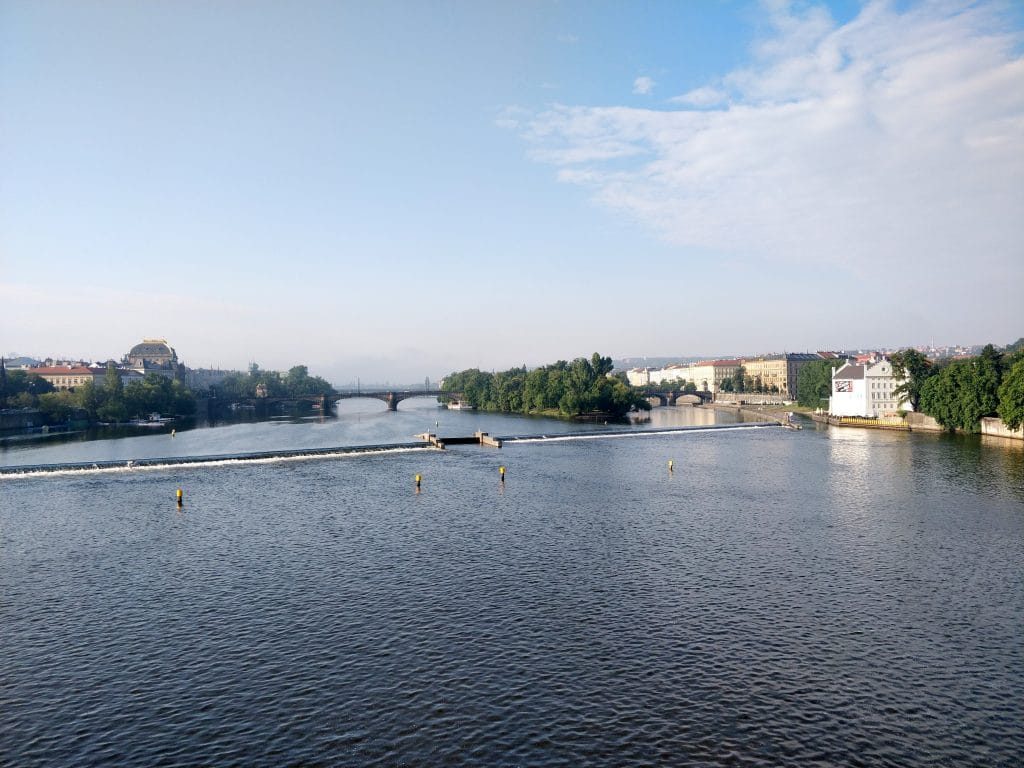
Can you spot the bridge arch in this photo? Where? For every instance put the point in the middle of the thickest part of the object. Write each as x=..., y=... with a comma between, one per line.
x=391, y=397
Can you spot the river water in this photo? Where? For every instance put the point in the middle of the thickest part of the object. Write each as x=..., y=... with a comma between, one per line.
x=827, y=596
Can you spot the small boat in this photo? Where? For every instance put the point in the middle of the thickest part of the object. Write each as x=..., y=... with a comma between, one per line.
x=153, y=420
x=455, y=405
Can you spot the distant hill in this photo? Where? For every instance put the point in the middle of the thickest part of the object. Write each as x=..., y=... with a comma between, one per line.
x=626, y=363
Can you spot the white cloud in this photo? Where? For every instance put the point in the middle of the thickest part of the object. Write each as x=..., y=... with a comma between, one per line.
x=892, y=145
x=705, y=96
x=511, y=118
x=643, y=85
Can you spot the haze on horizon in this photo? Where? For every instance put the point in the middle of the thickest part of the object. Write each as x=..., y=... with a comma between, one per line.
x=395, y=190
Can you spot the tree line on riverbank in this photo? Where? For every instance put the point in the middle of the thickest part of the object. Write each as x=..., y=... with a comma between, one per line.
x=957, y=393
x=259, y=383
x=571, y=389
x=110, y=401
x=114, y=401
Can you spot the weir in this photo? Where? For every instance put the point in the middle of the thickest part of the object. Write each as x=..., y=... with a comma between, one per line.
x=184, y=461
x=635, y=432
x=425, y=441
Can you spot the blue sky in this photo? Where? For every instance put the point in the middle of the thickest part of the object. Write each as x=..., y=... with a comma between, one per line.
x=396, y=190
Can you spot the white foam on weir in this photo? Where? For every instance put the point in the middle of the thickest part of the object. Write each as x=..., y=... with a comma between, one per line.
x=128, y=468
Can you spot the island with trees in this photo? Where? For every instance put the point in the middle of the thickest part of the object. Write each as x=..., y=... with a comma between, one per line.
x=259, y=383
x=583, y=388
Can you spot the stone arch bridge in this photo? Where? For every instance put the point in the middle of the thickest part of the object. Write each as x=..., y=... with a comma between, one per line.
x=390, y=397
x=672, y=397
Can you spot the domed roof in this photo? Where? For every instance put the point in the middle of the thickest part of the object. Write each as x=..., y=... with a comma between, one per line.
x=152, y=351
x=151, y=347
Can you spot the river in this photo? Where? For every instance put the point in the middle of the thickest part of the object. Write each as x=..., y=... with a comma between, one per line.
x=825, y=596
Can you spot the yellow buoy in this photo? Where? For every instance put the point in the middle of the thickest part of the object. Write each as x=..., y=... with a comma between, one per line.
x=501, y=471
x=180, y=495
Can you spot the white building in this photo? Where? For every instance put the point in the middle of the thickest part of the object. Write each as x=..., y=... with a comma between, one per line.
x=639, y=377
x=866, y=390
x=709, y=375
x=670, y=373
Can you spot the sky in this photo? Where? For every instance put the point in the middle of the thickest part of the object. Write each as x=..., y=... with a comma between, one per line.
x=393, y=190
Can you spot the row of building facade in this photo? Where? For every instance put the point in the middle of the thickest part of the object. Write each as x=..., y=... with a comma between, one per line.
x=861, y=386
x=777, y=373
x=150, y=356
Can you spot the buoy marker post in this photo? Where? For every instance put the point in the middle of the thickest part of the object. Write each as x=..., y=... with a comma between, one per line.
x=671, y=466
x=418, y=480
x=180, y=496
x=501, y=472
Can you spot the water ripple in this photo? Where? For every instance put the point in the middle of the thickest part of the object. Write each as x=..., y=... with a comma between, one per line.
x=593, y=610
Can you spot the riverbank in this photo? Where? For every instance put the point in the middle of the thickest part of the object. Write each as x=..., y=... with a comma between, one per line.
x=919, y=422
x=760, y=412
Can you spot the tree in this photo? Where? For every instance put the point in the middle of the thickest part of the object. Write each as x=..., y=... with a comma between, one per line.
x=153, y=394
x=21, y=400
x=988, y=373
x=88, y=399
x=298, y=382
x=112, y=383
x=112, y=411
x=57, y=406
x=915, y=368
x=18, y=382
x=962, y=393
x=1011, y=396
x=939, y=396
x=601, y=366
x=739, y=379
x=814, y=383
x=582, y=386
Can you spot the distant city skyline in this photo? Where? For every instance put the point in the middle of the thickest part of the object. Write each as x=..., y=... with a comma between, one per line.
x=393, y=190
x=622, y=362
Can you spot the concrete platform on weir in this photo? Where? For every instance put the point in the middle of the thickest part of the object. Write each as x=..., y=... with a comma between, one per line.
x=478, y=438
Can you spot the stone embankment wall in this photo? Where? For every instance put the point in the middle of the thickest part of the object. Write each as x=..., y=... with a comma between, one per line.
x=20, y=418
x=919, y=422
x=995, y=427
x=749, y=398
x=756, y=413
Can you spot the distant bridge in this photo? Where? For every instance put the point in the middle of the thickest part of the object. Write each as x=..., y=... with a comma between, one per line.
x=391, y=397
x=671, y=397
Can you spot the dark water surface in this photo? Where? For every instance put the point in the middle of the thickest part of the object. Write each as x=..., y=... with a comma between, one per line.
x=815, y=597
